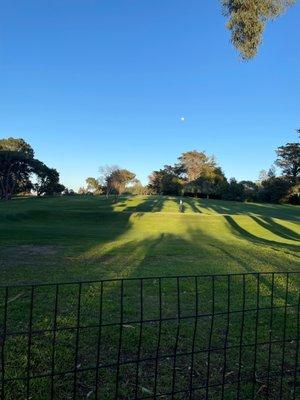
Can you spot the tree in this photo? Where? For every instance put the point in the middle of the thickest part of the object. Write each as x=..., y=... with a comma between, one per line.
x=247, y=21
x=293, y=195
x=195, y=164
x=288, y=159
x=272, y=172
x=137, y=188
x=119, y=179
x=166, y=181
x=17, y=164
x=155, y=185
x=250, y=190
x=68, y=192
x=265, y=175
x=93, y=185
x=200, y=172
x=105, y=173
x=232, y=190
x=115, y=179
x=274, y=190
x=16, y=157
x=47, y=180
x=195, y=173
x=82, y=191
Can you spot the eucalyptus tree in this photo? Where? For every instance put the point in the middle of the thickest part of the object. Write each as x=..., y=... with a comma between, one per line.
x=248, y=19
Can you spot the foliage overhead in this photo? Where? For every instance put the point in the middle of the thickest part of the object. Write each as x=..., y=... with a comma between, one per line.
x=247, y=21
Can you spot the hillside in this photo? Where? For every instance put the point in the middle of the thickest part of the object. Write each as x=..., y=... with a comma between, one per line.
x=70, y=238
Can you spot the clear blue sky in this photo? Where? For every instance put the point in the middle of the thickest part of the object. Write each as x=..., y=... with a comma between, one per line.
x=94, y=82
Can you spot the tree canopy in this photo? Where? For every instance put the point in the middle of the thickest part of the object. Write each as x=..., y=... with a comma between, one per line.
x=16, y=160
x=195, y=164
x=17, y=165
x=289, y=160
x=115, y=179
x=197, y=174
x=247, y=21
x=119, y=179
x=47, y=179
x=93, y=185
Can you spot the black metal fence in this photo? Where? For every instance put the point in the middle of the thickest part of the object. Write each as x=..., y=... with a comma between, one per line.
x=184, y=337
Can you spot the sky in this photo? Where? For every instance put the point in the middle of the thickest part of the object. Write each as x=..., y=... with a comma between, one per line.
x=95, y=82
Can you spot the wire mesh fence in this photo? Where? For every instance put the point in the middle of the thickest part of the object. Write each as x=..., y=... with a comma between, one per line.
x=230, y=336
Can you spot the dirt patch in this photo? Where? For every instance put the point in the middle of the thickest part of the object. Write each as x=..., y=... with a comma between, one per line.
x=31, y=249
x=29, y=254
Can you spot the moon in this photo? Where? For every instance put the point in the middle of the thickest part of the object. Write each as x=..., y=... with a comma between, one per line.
x=182, y=119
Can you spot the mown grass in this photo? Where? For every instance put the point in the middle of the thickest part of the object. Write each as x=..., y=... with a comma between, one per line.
x=87, y=238
x=62, y=239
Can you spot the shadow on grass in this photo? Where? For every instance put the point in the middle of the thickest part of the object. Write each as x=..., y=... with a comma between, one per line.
x=243, y=233
x=277, y=229
x=150, y=204
x=287, y=212
x=191, y=203
x=134, y=338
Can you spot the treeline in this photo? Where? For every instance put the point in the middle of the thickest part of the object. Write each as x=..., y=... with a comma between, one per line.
x=198, y=175
x=194, y=174
x=21, y=173
x=113, y=180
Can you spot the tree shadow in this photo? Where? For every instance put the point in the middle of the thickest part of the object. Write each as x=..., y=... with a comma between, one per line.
x=166, y=254
x=287, y=212
x=130, y=301
x=238, y=230
x=190, y=202
x=277, y=228
x=150, y=204
x=264, y=279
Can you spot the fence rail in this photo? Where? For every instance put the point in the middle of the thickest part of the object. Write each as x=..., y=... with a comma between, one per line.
x=227, y=336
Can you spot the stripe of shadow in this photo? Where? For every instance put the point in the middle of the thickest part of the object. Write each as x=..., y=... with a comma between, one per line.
x=276, y=228
x=194, y=208
x=256, y=239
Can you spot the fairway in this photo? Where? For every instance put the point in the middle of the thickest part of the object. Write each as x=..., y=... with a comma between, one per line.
x=235, y=333
x=78, y=238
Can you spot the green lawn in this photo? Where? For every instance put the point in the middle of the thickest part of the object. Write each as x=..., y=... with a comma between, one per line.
x=45, y=240
x=91, y=238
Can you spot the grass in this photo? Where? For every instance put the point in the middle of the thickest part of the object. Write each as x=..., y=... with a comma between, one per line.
x=87, y=238
x=45, y=240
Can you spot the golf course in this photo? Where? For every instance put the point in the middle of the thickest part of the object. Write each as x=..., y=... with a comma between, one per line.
x=107, y=244
x=85, y=237
x=139, y=297
x=150, y=200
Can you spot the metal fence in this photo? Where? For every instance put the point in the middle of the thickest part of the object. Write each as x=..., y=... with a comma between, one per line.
x=230, y=336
